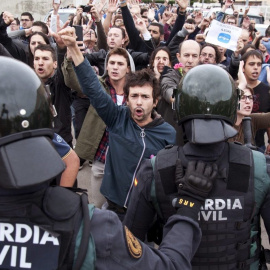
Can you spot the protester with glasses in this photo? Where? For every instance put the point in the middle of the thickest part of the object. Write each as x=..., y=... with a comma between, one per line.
x=27, y=20
x=15, y=25
x=246, y=100
x=209, y=54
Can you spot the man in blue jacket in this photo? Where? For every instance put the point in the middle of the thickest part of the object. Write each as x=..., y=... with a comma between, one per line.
x=135, y=131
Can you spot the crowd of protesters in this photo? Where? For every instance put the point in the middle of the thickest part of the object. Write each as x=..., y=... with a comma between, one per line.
x=116, y=85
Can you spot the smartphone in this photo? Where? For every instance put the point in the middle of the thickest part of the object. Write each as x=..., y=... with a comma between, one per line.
x=79, y=32
x=56, y=1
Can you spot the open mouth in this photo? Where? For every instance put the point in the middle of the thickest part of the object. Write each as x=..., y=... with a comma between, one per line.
x=139, y=111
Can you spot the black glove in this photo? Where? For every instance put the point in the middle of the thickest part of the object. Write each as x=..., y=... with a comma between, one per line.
x=194, y=186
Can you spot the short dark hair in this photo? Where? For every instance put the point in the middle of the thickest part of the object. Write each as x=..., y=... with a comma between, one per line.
x=253, y=53
x=121, y=29
x=141, y=78
x=118, y=51
x=43, y=26
x=154, y=53
x=160, y=26
x=190, y=21
x=45, y=37
x=246, y=47
x=218, y=56
x=143, y=10
x=28, y=14
x=17, y=21
x=49, y=48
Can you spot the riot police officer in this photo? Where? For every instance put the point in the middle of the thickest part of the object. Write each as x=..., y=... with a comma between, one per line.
x=206, y=104
x=44, y=227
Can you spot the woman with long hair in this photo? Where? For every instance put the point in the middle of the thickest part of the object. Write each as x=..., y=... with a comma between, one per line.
x=35, y=39
x=159, y=60
x=246, y=100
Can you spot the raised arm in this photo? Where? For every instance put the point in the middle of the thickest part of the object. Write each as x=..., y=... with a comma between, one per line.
x=69, y=74
x=135, y=41
x=54, y=16
x=112, y=7
x=89, y=81
x=12, y=47
x=101, y=33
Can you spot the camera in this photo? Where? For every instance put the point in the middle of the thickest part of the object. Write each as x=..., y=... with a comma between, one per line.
x=86, y=8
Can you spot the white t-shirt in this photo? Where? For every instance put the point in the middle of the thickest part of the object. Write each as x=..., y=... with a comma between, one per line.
x=119, y=99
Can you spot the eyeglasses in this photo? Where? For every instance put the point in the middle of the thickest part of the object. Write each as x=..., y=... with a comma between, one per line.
x=245, y=97
x=211, y=56
x=25, y=20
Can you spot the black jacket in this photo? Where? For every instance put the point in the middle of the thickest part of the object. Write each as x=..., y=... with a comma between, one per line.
x=61, y=99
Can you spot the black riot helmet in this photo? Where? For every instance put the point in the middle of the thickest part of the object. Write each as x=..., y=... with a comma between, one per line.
x=208, y=97
x=27, y=157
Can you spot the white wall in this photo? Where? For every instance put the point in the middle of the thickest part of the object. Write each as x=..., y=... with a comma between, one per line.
x=37, y=7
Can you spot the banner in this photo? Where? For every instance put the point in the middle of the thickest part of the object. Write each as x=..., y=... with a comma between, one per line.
x=224, y=35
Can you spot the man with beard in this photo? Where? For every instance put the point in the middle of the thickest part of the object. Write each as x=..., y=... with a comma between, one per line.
x=135, y=131
x=209, y=54
x=206, y=103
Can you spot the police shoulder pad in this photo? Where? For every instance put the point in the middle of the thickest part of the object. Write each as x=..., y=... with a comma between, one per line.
x=60, y=203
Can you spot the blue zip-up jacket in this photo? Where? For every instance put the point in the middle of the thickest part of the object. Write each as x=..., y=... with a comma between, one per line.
x=129, y=144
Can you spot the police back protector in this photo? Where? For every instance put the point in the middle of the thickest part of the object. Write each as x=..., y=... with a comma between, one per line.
x=229, y=218
x=39, y=230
